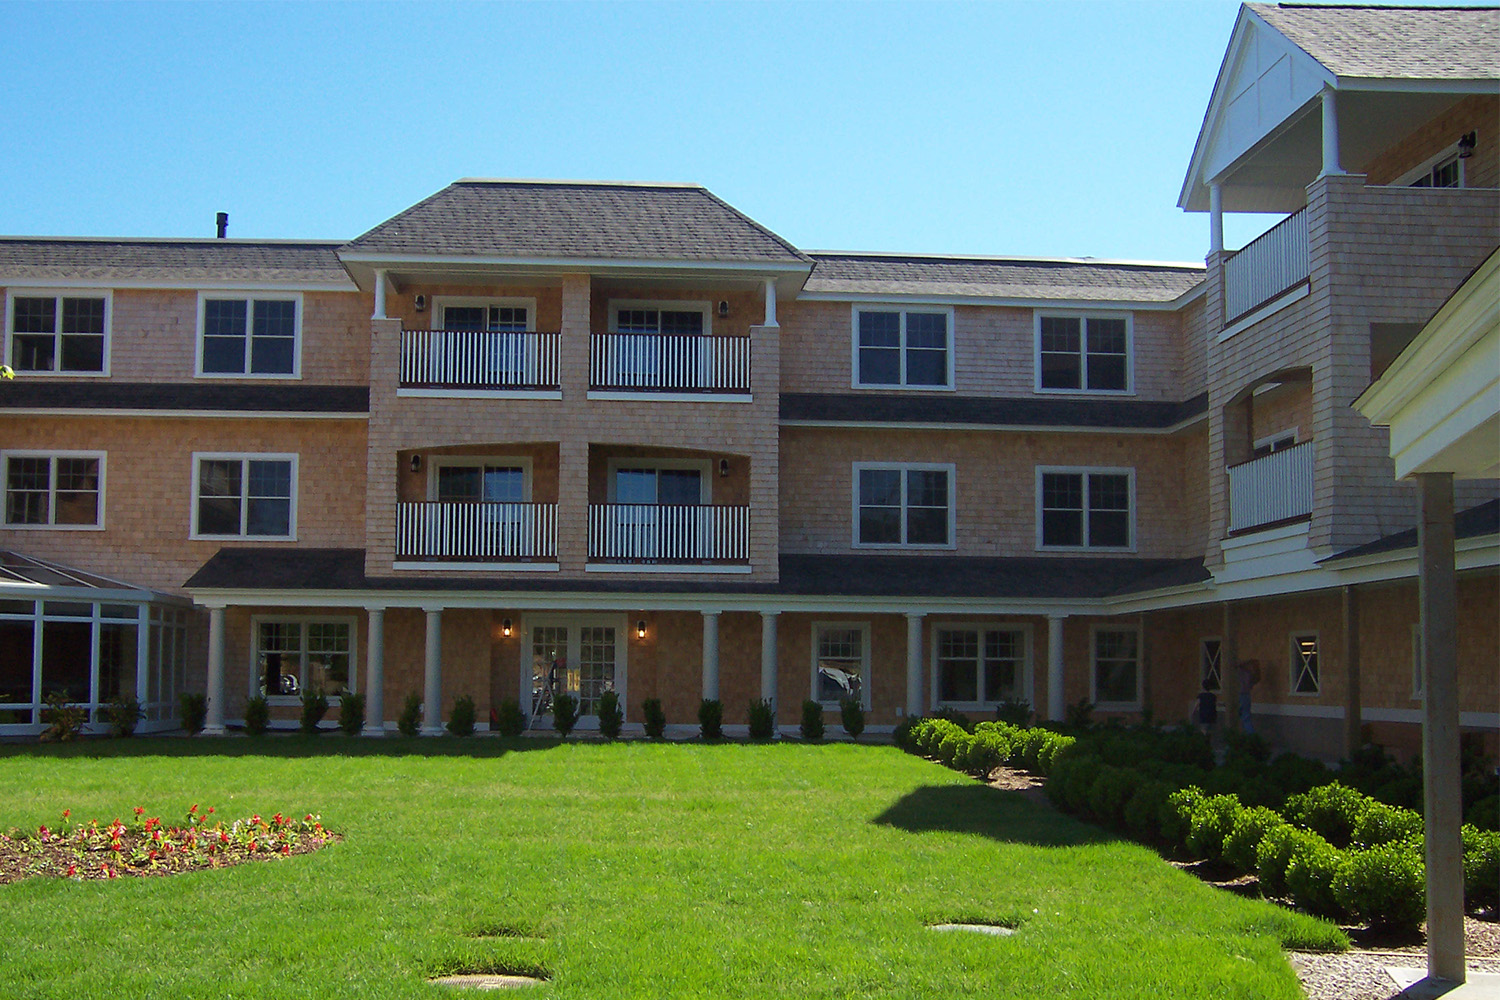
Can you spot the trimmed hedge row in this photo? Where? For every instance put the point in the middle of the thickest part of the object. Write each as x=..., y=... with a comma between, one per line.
x=1333, y=850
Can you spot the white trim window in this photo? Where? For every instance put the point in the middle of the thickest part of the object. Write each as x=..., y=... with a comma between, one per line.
x=1084, y=352
x=659, y=481
x=1211, y=665
x=257, y=335
x=840, y=663
x=480, y=480
x=507, y=315
x=1279, y=441
x=908, y=505
x=1085, y=508
x=979, y=667
x=244, y=496
x=1115, y=667
x=1444, y=170
x=903, y=348
x=58, y=332
x=669, y=317
x=56, y=489
x=1305, y=667
x=292, y=655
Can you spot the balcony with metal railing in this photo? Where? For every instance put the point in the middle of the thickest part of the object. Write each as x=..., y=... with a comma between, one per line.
x=669, y=535
x=1270, y=265
x=476, y=532
x=628, y=363
x=1271, y=490
x=479, y=360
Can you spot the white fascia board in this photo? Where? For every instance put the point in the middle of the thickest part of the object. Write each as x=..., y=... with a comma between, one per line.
x=1399, y=85
x=886, y=425
x=157, y=284
x=179, y=414
x=1160, y=305
x=1168, y=598
x=1478, y=553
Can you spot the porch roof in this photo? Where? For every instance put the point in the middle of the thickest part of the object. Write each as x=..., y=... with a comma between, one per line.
x=27, y=577
x=1476, y=522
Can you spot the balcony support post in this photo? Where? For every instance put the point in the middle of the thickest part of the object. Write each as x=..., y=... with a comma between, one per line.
x=1215, y=218
x=770, y=303
x=432, y=687
x=1330, y=134
x=768, y=658
x=213, y=720
x=1353, y=722
x=913, y=664
x=1056, y=702
x=375, y=673
x=379, y=312
x=711, y=655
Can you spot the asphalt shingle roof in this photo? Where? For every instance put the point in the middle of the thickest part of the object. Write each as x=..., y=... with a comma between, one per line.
x=560, y=220
x=41, y=258
x=1082, y=279
x=1107, y=414
x=1399, y=43
x=1476, y=522
x=49, y=394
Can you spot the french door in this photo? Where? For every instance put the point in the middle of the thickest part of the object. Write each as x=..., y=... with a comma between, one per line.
x=580, y=656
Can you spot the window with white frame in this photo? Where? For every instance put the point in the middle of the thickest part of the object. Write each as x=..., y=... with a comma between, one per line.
x=1083, y=353
x=244, y=496
x=910, y=348
x=295, y=655
x=1085, y=508
x=903, y=505
x=249, y=335
x=980, y=666
x=1280, y=441
x=1304, y=662
x=841, y=663
x=1116, y=674
x=54, y=490
x=58, y=332
x=1211, y=664
x=1445, y=170
x=502, y=315
x=481, y=480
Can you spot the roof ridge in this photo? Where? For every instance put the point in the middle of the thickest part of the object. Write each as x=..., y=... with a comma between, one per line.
x=1008, y=259
x=555, y=182
x=1375, y=6
x=185, y=240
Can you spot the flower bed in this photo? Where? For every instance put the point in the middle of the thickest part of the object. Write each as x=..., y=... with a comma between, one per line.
x=146, y=846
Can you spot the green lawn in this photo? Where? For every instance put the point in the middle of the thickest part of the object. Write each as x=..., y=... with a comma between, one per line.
x=632, y=870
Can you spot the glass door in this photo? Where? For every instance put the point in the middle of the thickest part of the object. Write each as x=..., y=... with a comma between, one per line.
x=582, y=658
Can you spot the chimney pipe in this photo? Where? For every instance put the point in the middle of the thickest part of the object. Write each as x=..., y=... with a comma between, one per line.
x=223, y=222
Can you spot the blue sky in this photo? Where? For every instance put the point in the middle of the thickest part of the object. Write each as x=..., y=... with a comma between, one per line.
x=1043, y=129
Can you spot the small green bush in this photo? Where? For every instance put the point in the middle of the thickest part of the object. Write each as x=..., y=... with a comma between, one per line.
x=122, y=715
x=352, y=713
x=1250, y=825
x=1273, y=854
x=1294, y=774
x=711, y=719
x=989, y=750
x=564, y=714
x=1080, y=714
x=1177, y=814
x=931, y=732
x=257, y=715
x=956, y=742
x=852, y=715
x=1212, y=819
x=653, y=718
x=1382, y=824
x=762, y=716
x=1112, y=788
x=1056, y=746
x=193, y=706
x=1029, y=747
x=1310, y=873
x=812, y=721
x=509, y=718
x=1332, y=811
x=1014, y=713
x=1484, y=813
x=1069, y=783
x=954, y=716
x=1385, y=885
x=409, y=722
x=461, y=722
x=1142, y=814
x=314, y=707
x=1481, y=867
x=905, y=733
x=611, y=717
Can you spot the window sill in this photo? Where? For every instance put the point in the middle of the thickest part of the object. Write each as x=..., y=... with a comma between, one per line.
x=902, y=547
x=195, y=537
x=33, y=373
x=250, y=376
x=893, y=387
x=1107, y=550
x=1117, y=706
x=53, y=527
x=1040, y=391
x=295, y=701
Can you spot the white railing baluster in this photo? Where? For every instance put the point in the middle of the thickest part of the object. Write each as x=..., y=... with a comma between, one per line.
x=684, y=534
x=646, y=362
x=1271, y=489
x=1266, y=267
x=478, y=359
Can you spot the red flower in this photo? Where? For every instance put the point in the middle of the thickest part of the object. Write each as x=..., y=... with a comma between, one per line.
x=210, y=808
x=193, y=808
x=67, y=813
x=286, y=850
x=72, y=870
x=139, y=810
x=113, y=873
x=253, y=847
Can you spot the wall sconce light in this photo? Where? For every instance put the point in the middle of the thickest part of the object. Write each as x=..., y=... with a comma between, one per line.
x=723, y=308
x=1466, y=144
x=723, y=468
x=505, y=628
x=416, y=463
x=640, y=629
x=420, y=303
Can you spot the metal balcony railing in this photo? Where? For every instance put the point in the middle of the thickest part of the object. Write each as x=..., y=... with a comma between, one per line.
x=1262, y=270
x=681, y=534
x=650, y=362
x=476, y=532
x=478, y=359
x=1272, y=489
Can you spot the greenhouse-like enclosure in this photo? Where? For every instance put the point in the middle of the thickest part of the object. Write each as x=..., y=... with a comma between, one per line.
x=97, y=641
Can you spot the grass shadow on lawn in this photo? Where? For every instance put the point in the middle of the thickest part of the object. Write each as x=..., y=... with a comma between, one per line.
x=989, y=812
x=284, y=746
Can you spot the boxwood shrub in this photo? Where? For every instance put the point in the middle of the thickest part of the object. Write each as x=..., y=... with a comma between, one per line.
x=1243, y=842
x=1177, y=814
x=1332, y=810
x=1382, y=824
x=1385, y=885
x=1481, y=867
x=1211, y=820
x=1142, y=814
x=1310, y=873
x=1111, y=789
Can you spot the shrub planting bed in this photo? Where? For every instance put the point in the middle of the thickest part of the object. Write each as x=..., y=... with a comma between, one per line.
x=1330, y=849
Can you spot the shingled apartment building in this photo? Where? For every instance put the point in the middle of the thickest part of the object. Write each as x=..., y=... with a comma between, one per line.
x=625, y=433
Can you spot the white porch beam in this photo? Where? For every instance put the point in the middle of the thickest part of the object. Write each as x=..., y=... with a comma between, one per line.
x=768, y=657
x=1056, y=705
x=1330, y=134
x=432, y=689
x=913, y=664
x=1215, y=218
x=770, y=302
x=379, y=312
x=711, y=655
x=213, y=721
x=375, y=674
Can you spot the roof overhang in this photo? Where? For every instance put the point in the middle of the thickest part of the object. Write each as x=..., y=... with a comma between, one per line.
x=1441, y=396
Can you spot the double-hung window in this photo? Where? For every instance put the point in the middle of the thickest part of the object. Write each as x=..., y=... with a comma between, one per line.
x=910, y=348
x=58, y=332
x=980, y=666
x=903, y=505
x=56, y=490
x=257, y=335
x=841, y=663
x=1085, y=508
x=1116, y=675
x=245, y=496
x=1083, y=353
x=294, y=655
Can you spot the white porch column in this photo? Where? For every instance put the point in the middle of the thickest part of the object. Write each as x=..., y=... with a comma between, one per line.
x=1215, y=218
x=379, y=312
x=1057, y=706
x=1441, y=790
x=770, y=302
x=1330, y=134
x=375, y=674
x=768, y=657
x=913, y=664
x=711, y=654
x=213, y=722
x=432, y=691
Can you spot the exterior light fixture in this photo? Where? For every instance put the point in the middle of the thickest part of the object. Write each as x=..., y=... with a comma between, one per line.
x=505, y=628
x=640, y=629
x=723, y=468
x=1466, y=144
x=723, y=308
x=420, y=303
x=416, y=463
